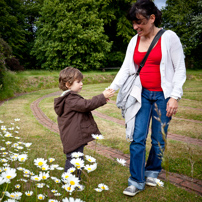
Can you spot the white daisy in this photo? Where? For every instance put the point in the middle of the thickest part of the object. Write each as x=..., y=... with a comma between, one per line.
x=40, y=185
x=90, y=168
x=98, y=189
x=52, y=200
x=103, y=186
x=39, y=162
x=57, y=194
x=45, y=167
x=72, y=200
x=44, y=175
x=90, y=159
x=22, y=157
x=69, y=188
x=9, y=174
x=51, y=160
x=27, y=144
x=54, y=191
x=71, y=170
x=29, y=193
x=76, y=154
x=97, y=137
x=8, y=142
x=121, y=161
x=36, y=178
x=17, y=119
x=17, y=186
x=40, y=196
x=78, y=163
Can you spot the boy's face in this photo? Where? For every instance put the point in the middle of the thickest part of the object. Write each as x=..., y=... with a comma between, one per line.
x=76, y=86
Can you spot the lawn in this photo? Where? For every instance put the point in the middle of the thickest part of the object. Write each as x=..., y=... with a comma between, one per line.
x=46, y=144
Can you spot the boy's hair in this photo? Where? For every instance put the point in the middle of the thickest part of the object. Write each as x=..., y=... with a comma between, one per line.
x=69, y=75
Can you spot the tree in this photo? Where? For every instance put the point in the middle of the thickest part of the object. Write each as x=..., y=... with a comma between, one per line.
x=70, y=33
x=179, y=15
x=117, y=28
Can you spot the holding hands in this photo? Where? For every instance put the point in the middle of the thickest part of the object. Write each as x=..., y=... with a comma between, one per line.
x=108, y=93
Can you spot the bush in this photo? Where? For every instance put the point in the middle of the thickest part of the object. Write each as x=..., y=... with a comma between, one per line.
x=14, y=64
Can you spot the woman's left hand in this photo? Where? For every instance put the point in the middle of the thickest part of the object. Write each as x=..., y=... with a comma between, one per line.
x=172, y=106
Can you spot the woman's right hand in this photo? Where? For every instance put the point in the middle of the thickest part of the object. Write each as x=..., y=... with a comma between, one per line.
x=108, y=93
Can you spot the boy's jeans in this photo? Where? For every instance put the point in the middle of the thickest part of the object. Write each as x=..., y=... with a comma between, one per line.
x=138, y=145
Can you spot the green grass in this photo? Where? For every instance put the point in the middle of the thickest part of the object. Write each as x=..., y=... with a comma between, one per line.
x=47, y=144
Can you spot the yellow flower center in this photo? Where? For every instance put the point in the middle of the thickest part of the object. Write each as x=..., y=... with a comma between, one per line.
x=36, y=178
x=68, y=188
x=89, y=159
x=89, y=169
x=28, y=194
x=22, y=159
x=66, y=176
x=9, y=176
x=40, y=197
x=72, y=182
x=40, y=163
x=77, y=164
x=103, y=187
x=44, y=177
x=12, y=196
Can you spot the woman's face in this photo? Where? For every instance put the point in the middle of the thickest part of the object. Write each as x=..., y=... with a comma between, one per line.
x=144, y=26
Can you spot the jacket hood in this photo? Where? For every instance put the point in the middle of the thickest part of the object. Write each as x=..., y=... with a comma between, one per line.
x=59, y=104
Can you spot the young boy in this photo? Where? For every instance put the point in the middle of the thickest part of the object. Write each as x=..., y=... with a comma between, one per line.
x=75, y=121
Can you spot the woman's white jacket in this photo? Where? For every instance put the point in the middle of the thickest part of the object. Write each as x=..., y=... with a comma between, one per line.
x=173, y=76
x=172, y=66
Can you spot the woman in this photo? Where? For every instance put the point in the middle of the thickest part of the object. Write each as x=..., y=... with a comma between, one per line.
x=162, y=78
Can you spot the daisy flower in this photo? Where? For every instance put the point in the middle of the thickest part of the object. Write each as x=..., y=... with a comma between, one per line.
x=90, y=159
x=57, y=180
x=36, y=178
x=103, y=186
x=40, y=196
x=29, y=193
x=98, y=189
x=1, y=121
x=76, y=154
x=90, y=168
x=8, y=134
x=73, y=181
x=54, y=191
x=51, y=160
x=10, y=200
x=17, y=119
x=57, y=194
x=9, y=174
x=40, y=185
x=22, y=157
x=39, y=162
x=20, y=168
x=78, y=163
x=14, y=195
x=68, y=188
x=26, y=171
x=159, y=183
x=45, y=167
x=72, y=200
x=52, y=200
x=18, y=127
x=17, y=186
x=2, y=148
x=97, y=137
x=8, y=142
x=3, y=128
x=20, y=147
x=27, y=144
x=121, y=161
x=60, y=168
x=71, y=170
x=17, y=138
x=4, y=160
x=44, y=175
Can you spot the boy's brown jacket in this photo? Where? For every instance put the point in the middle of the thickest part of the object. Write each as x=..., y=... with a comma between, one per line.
x=75, y=121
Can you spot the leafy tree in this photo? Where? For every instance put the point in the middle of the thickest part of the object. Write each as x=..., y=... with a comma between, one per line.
x=117, y=28
x=183, y=16
x=17, y=27
x=70, y=33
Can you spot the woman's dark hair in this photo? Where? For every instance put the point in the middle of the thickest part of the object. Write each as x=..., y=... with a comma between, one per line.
x=145, y=8
x=69, y=75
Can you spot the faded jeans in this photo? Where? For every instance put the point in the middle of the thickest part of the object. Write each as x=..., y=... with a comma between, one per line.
x=146, y=113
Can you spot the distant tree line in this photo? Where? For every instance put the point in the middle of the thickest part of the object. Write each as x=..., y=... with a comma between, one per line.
x=87, y=34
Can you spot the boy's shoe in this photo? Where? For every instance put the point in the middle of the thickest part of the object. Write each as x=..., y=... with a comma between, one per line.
x=131, y=190
x=151, y=181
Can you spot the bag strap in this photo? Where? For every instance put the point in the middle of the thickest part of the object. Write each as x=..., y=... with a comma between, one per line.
x=156, y=38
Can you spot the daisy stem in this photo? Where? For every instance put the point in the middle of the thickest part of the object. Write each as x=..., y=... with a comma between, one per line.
x=36, y=194
x=4, y=192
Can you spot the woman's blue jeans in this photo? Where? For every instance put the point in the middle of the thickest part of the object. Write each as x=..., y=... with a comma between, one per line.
x=146, y=113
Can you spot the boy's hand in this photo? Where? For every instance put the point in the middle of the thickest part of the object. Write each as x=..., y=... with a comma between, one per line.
x=108, y=93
